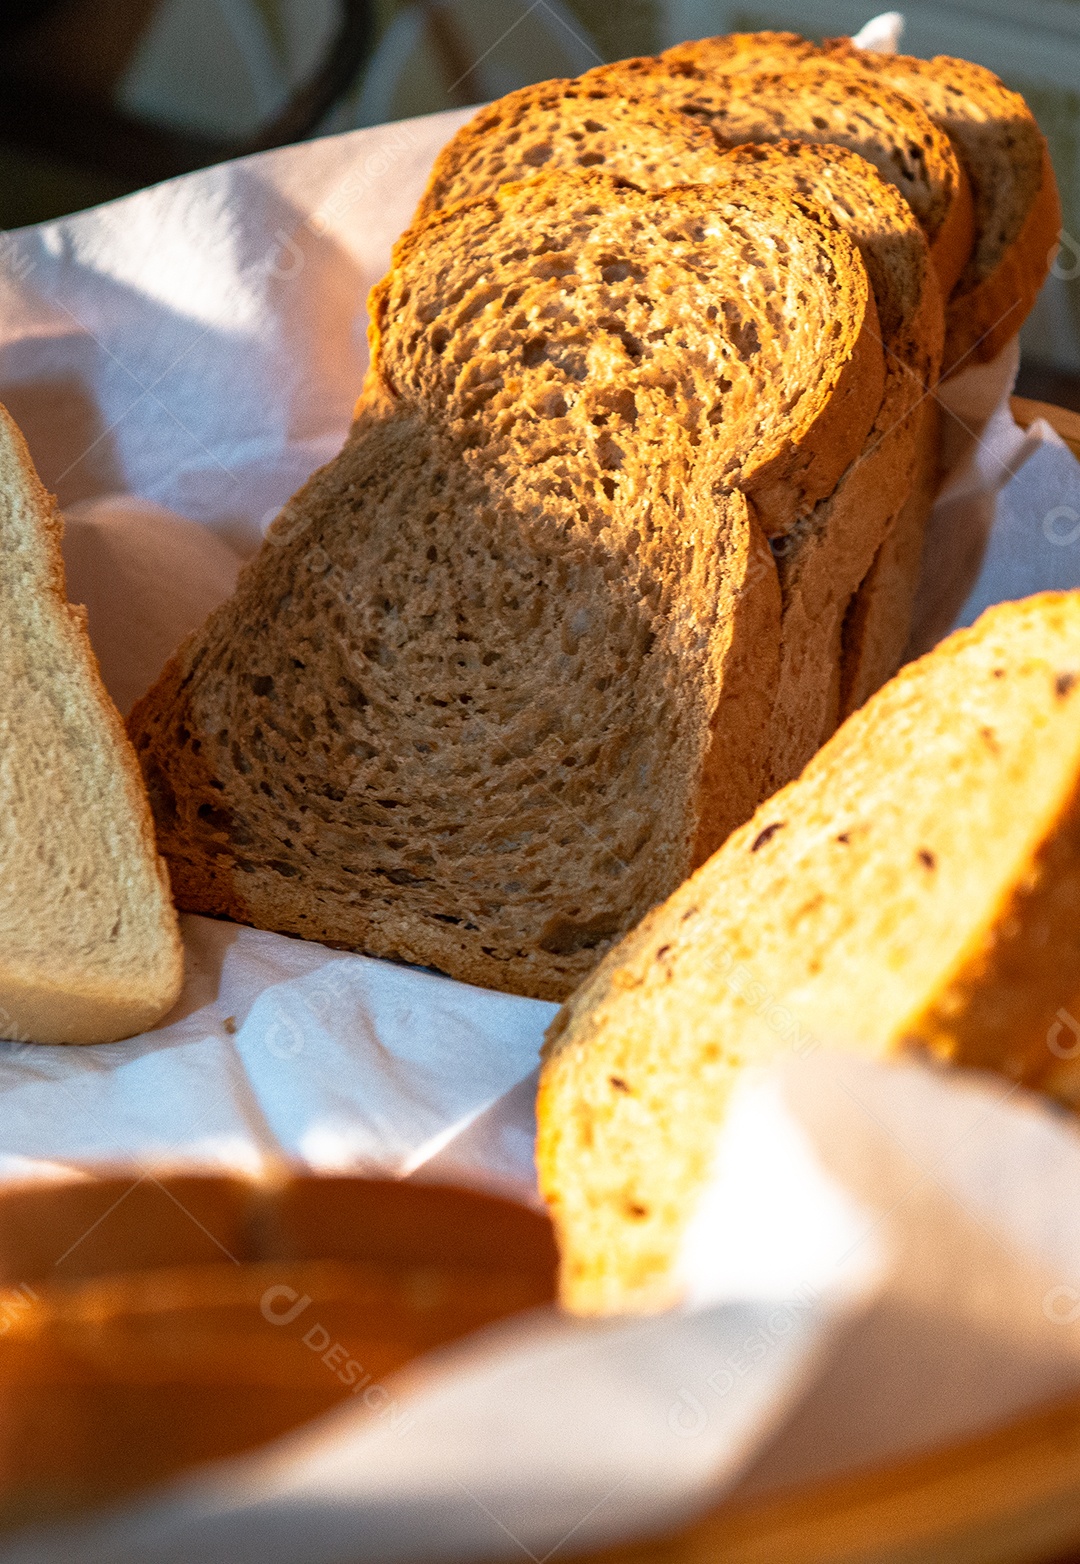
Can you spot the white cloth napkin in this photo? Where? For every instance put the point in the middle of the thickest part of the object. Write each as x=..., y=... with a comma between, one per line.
x=180, y=361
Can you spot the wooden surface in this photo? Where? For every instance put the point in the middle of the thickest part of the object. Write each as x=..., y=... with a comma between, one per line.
x=149, y=1324
x=1066, y=423
x=1012, y=1497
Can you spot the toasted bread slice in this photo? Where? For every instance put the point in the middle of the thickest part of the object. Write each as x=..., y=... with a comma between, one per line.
x=1017, y=210
x=498, y=662
x=917, y=887
x=89, y=944
x=825, y=101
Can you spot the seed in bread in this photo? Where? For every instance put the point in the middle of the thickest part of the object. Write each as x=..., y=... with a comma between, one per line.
x=89, y=944
x=917, y=887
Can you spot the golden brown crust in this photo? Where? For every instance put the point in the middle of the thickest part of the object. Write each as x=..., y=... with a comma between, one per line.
x=1015, y=202
x=731, y=777
x=981, y=321
x=878, y=620
x=822, y=561
x=950, y=248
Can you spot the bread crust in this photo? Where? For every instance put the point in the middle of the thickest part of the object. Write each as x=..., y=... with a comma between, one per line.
x=878, y=620
x=950, y=248
x=995, y=291
x=742, y=105
x=822, y=562
x=982, y=320
x=451, y=377
x=83, y=996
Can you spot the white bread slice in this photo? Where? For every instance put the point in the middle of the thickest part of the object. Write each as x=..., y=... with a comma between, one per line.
x=89, y=943
x=502, y=661
x=917, y=887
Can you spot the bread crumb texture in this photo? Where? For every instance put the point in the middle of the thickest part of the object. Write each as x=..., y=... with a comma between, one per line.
x=918, y=887
x=495, y=662
x=89, y=944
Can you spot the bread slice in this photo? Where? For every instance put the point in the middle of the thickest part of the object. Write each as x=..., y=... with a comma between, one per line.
x=825, y=557
x=917, y=887
x=569, y=124
x=878, y=622
x=829, y=552
x=575, y=124
x=824, y=101
x=500, y=662
x=736, y=52
x=1017, y=210
x=89, y=944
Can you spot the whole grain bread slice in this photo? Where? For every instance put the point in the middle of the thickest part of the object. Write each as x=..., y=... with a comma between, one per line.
x=878, y=620
x=830, y=550
x=825, y=101
x=89, y=944
x=569, y=124
x=499, y=661
x=582, y=124
x=915, y=888
x=1017, y=210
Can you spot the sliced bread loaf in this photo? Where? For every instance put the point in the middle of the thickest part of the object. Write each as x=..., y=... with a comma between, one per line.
x=825, y=101
x=89, y=945
x=1017, y=211
x=917, y=887
x=830, y=549
x=499, y=664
